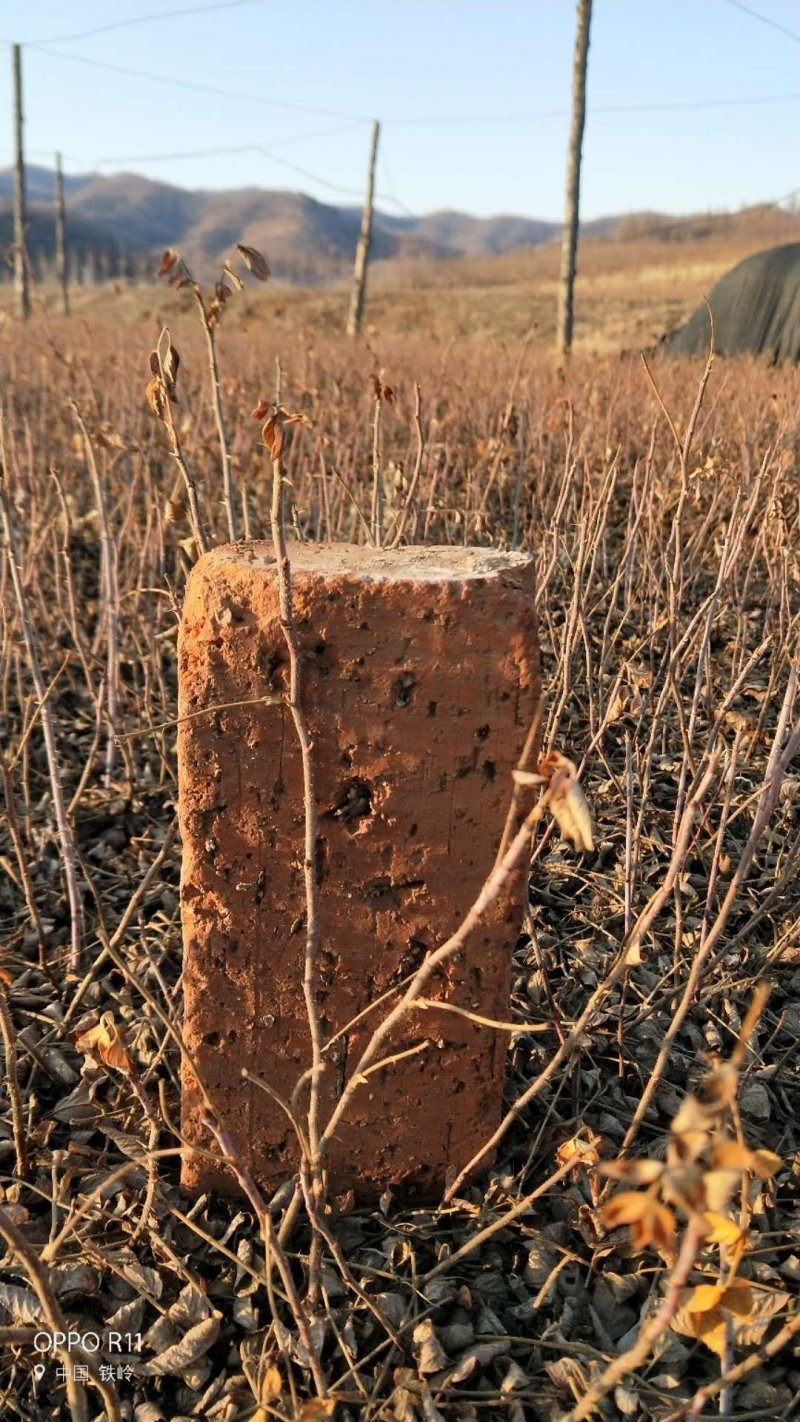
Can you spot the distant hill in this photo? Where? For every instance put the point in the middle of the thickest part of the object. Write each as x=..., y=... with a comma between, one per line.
x=123, y=221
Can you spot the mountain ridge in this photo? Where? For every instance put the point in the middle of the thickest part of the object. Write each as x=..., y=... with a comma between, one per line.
x=130, y=218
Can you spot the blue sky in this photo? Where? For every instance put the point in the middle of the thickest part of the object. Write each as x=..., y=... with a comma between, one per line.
x=473, y=95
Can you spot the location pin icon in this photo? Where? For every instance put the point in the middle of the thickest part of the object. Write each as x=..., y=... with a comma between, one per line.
x=38, y=1371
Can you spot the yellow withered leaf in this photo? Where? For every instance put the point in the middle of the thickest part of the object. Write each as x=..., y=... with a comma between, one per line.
x=712, y=1329
x=650, y=1221
x=730, y=1155
x=765, y=1163
x=106, y=1043
x=706, y=1309
x=703, y=1297
x=623, y=1209
x=721, y=1230
x=316, y=1409
x=705, y=1306
x=580, y=1150
x=272, y=1384
x=738, y=1299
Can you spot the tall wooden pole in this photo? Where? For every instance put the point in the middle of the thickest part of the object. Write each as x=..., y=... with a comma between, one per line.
x=62, y=268
x=20, y=254
x=569, y=242
x=355, y=315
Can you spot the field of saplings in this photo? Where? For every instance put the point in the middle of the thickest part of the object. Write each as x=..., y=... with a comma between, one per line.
x=633, y=1250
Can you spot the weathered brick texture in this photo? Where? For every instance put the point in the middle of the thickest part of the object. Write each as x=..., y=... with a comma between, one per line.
x=421, y=679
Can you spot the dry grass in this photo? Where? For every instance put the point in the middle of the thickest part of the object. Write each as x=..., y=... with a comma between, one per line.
x=628, y=292
x=668, y=601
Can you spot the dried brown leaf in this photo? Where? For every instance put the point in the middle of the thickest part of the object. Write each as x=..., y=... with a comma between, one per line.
x=256, y=264
x=155, y=397
x=431, y=1357
x=168, y=261
x=106, y=1043
x=689, y=1132
x=194, y=1344
x=650, y=1221
x=233, y=277
x=567, y=802
x=633, y=1172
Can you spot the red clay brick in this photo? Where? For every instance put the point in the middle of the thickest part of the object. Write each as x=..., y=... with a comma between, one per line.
x=421, y=678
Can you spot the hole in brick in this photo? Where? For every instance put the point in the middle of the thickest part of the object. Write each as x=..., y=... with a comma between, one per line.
x=432, y=708
x=409, y=961
x=481, y=733
x=233, y=1035
x=211, y=1039
x=403, y=689
x=489, y=769
x=354, y=803
x=389, y=894
x=272, y=663
x=412, y=832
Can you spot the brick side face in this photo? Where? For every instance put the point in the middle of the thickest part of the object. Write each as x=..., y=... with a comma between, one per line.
x=420, y=678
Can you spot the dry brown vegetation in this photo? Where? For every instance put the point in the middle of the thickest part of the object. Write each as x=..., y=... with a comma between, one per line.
x=629, y=291
x=668, y=606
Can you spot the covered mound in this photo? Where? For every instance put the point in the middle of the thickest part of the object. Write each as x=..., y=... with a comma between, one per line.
x=756, y=310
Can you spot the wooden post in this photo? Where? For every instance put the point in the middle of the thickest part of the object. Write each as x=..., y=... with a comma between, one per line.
x=569, y=241
x=20, y=254
x=62, y=269
x=355, y=315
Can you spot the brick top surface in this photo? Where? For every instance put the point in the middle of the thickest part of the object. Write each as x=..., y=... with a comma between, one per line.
x=432, y=563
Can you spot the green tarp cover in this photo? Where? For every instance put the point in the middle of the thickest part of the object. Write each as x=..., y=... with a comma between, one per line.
x=756, y=310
